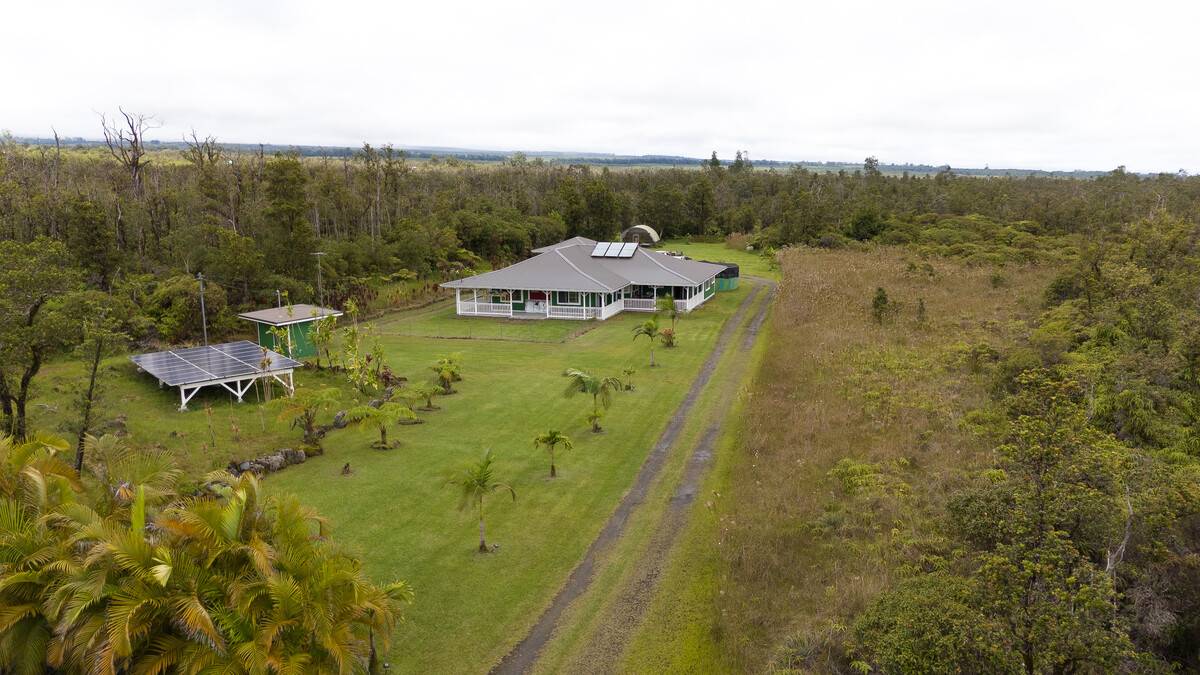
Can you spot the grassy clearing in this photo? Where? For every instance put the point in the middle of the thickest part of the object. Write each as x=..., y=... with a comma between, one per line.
x=800, y=550
x=394, y=510
x=750, y=262
x=397, y=515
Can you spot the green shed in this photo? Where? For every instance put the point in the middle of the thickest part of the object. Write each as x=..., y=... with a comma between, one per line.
x=298, y=320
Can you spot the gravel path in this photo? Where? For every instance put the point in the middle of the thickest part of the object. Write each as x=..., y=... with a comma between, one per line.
x=525, y=654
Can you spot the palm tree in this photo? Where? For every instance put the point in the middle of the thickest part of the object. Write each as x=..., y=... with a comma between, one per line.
x=424, y=392
x=550, y=440
x=229, y=580
x=477, y=482
x=650, y=330
x=628, y=373
x=453, y=362
x=382, y=416
x=302, y=409
x=448, y=372
x=666, y=305
x=599, y=388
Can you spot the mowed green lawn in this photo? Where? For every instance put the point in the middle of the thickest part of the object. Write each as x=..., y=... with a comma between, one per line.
x=750, y=263
x=395, y=511
x=439, y=320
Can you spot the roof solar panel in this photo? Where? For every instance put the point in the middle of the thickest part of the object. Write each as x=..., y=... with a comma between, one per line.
x=601, y=249
x=627, y=250
x=614, y=250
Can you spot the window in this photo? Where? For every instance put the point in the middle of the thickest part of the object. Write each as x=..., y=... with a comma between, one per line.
x=568, y=298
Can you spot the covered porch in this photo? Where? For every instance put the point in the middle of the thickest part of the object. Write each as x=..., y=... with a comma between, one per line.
x=531, y=304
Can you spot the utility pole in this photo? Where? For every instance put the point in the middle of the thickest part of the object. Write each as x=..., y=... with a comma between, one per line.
x=320, y=291
x=278, y=298
x=203, y=314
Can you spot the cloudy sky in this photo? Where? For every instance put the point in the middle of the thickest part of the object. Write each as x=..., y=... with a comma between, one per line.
x=1045, y=84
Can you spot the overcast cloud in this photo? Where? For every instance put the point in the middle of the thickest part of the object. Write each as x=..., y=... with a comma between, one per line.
x=1087, y=85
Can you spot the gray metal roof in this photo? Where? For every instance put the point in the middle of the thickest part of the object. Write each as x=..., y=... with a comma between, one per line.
x=571, y=267
x=573, y=241
x=289, y=314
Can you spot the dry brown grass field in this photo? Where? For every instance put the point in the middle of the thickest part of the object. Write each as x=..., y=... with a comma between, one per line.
x=856, y=433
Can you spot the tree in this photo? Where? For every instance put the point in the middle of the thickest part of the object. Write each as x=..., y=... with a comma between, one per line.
x=33, y=326
x=126, y=141
x=322, y=339
x=288, y=233
x=550, y=440
x=880, y=306
x=628, y=373
x=102, y=336
x=116, y=572
x=92, y=241
x=448, y=372
x=666, y=305
x=425, y=392
x=599, y=388
x=383, y=415
x=477, y=482
x=302, y=409
x=649, y=329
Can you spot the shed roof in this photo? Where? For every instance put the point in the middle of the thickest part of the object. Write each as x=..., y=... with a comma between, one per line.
x=289, y=314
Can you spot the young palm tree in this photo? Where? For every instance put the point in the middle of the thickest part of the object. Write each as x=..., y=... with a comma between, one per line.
x=666, y=305
x=448, y=372
x=424, y=392
x=453, y=363
x=650, y=330
x=550, y=440
x=302, y=409
x=477, y=482
x=599, y=388
x=383, y=416
x=628, y=373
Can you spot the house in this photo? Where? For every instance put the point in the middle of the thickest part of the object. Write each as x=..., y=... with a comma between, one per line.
x=297, y=319
x=583, y=279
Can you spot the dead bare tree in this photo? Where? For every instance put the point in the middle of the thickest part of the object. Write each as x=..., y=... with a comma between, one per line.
x=127, y=144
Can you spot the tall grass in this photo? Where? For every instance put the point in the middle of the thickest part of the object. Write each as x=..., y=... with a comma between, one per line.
x=856, y=433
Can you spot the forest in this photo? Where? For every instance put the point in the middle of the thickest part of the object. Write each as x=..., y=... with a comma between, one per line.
x=1043, y=515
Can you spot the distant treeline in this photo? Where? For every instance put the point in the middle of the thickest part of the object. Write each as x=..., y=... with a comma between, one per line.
x=592, y=158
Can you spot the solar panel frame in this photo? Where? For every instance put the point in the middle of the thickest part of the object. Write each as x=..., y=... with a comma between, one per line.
x=627, y=250
x=614, y=250
x=198, y=365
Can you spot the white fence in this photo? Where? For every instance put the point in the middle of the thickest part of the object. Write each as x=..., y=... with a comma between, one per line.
x=485, y=308
x=640, y=304
x=559, y=312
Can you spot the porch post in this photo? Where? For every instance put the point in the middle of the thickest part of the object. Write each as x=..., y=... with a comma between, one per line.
x=548, y=304
x=458, y=301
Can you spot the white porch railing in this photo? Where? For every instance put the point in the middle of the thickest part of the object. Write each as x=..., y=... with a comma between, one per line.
x=560, y=312
x=484, y=308
x=640, y=304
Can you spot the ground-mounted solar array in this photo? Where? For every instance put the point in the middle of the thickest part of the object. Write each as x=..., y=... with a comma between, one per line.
x=195, y=367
